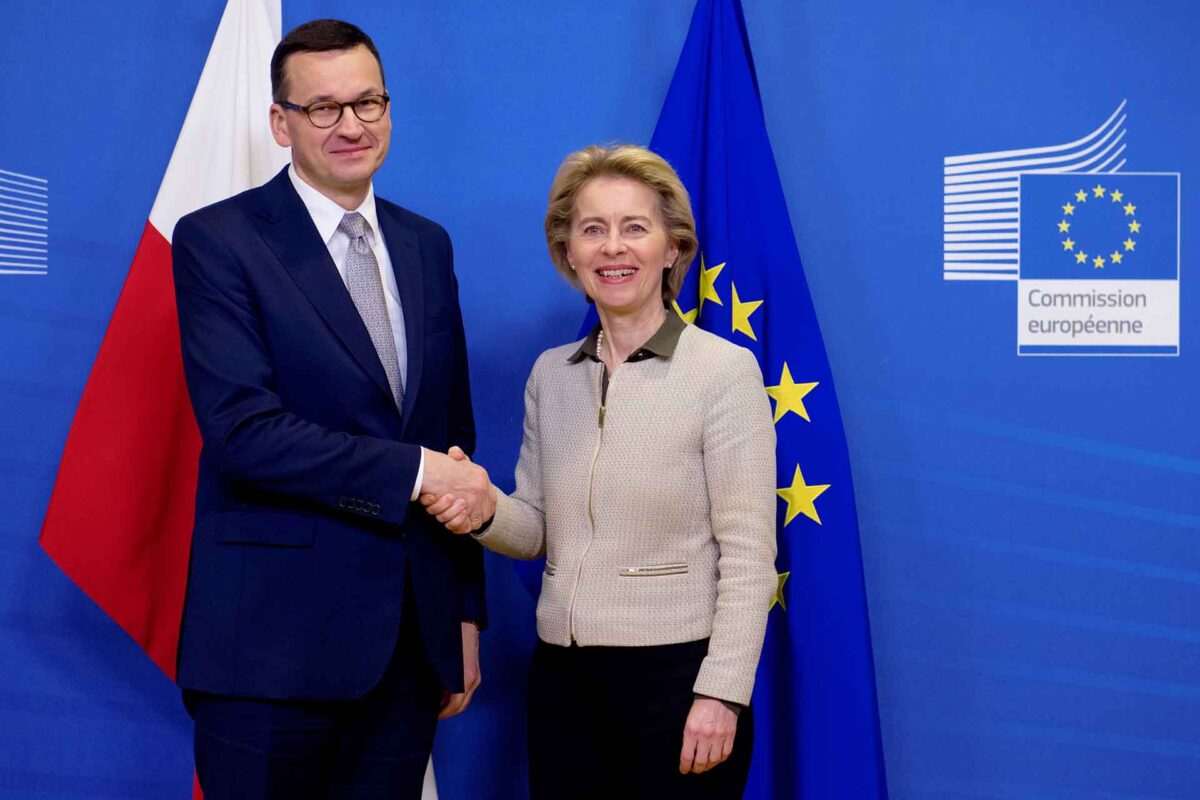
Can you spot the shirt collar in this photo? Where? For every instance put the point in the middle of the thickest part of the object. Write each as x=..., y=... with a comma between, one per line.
x=325, y=213
x=662, y=344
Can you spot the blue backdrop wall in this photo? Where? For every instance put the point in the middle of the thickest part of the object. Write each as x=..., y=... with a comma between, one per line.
x=1029, y=524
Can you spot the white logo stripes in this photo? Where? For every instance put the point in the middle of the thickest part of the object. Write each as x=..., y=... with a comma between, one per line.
x=980, y=201
x=24, y=224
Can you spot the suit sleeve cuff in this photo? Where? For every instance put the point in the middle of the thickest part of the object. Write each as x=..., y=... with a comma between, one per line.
x=475, y=608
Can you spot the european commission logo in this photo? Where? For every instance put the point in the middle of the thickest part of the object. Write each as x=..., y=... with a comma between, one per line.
x=1094, y=251
x=24, y=224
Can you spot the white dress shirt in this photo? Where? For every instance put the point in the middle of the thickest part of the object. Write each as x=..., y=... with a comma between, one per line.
x=327, y=215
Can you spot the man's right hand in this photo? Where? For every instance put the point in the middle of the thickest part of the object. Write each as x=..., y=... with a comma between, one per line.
x=456, y=491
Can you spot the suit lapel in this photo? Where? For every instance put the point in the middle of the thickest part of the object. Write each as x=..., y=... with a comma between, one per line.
x=288, y=230
x=405, y=252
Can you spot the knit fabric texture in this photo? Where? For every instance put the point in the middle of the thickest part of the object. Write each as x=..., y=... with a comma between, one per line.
x=658, y=527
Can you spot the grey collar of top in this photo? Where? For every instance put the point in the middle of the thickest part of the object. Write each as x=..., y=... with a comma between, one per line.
x=661, y=345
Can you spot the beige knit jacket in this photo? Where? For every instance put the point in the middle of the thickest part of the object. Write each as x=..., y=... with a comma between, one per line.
x=658, y=527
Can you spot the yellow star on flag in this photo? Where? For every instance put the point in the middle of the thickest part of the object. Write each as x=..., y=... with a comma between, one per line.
x=742, y=312
x=1081, y=196
x=1116, y=195
x=1068, y=244
x=1130, y=208
x=778, y=600
x=789, y=395
x=1135, y=226
x=1116, y=257
x=800, y=498
x=1080, y=258
x=1129, y=244
x=1098, y=261
x=708, y=280
x=1064, y=226
x=687, y=316
x=1098, y=190
x=1068, y=209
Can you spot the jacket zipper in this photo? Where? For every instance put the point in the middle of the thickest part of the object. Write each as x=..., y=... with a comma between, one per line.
x=591, y=487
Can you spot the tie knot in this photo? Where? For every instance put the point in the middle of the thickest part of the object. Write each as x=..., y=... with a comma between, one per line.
x=353, y=225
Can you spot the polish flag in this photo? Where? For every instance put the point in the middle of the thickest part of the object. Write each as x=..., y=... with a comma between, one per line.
x=120, y=518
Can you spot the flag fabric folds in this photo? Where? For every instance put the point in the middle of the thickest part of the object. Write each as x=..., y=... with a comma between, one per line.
x=817, y=723
x=120, y=517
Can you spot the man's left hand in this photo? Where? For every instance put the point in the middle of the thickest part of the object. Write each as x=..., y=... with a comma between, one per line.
x=456, y=703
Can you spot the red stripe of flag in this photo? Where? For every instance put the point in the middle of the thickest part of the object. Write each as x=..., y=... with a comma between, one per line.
x=120, y=518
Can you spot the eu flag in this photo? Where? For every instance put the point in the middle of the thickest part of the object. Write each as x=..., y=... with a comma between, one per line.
x=817, y=721
x=1099, y=227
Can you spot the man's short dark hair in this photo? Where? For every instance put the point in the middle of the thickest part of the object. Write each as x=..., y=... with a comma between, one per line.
x=318, y=36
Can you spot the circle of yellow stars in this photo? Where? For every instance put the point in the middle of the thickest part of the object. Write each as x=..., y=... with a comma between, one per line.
x=788, y=396
x=1116, y=256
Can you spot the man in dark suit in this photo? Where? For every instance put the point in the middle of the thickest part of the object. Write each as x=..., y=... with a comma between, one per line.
x=329, y=620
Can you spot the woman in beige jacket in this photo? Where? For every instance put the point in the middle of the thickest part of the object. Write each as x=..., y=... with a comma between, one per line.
x=647, y=479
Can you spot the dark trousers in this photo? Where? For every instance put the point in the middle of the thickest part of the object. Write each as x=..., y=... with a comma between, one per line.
x=607, y=722
x=374, y=747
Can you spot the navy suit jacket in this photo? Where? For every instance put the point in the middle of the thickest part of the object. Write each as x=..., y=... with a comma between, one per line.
x=304, y=532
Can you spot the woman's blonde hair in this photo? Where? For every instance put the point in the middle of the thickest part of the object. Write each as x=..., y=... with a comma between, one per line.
x=622, y=161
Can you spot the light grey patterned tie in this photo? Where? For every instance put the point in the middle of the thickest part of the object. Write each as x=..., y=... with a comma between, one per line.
x=366, y=290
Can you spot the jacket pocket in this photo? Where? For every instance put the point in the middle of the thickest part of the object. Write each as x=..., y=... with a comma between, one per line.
x=654, y=570
x=271, y=528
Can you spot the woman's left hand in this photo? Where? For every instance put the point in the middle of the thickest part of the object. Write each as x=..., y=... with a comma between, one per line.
x=707, y=735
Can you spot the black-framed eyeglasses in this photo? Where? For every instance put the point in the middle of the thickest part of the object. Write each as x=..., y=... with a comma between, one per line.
x=327, y=113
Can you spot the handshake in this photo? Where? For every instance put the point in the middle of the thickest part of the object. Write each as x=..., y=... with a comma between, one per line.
x=456, y=491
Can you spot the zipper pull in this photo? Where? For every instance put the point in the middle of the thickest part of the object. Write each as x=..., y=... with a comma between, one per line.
x=602, y=408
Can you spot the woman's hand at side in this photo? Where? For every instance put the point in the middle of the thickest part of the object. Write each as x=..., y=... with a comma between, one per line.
x=707, y=735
